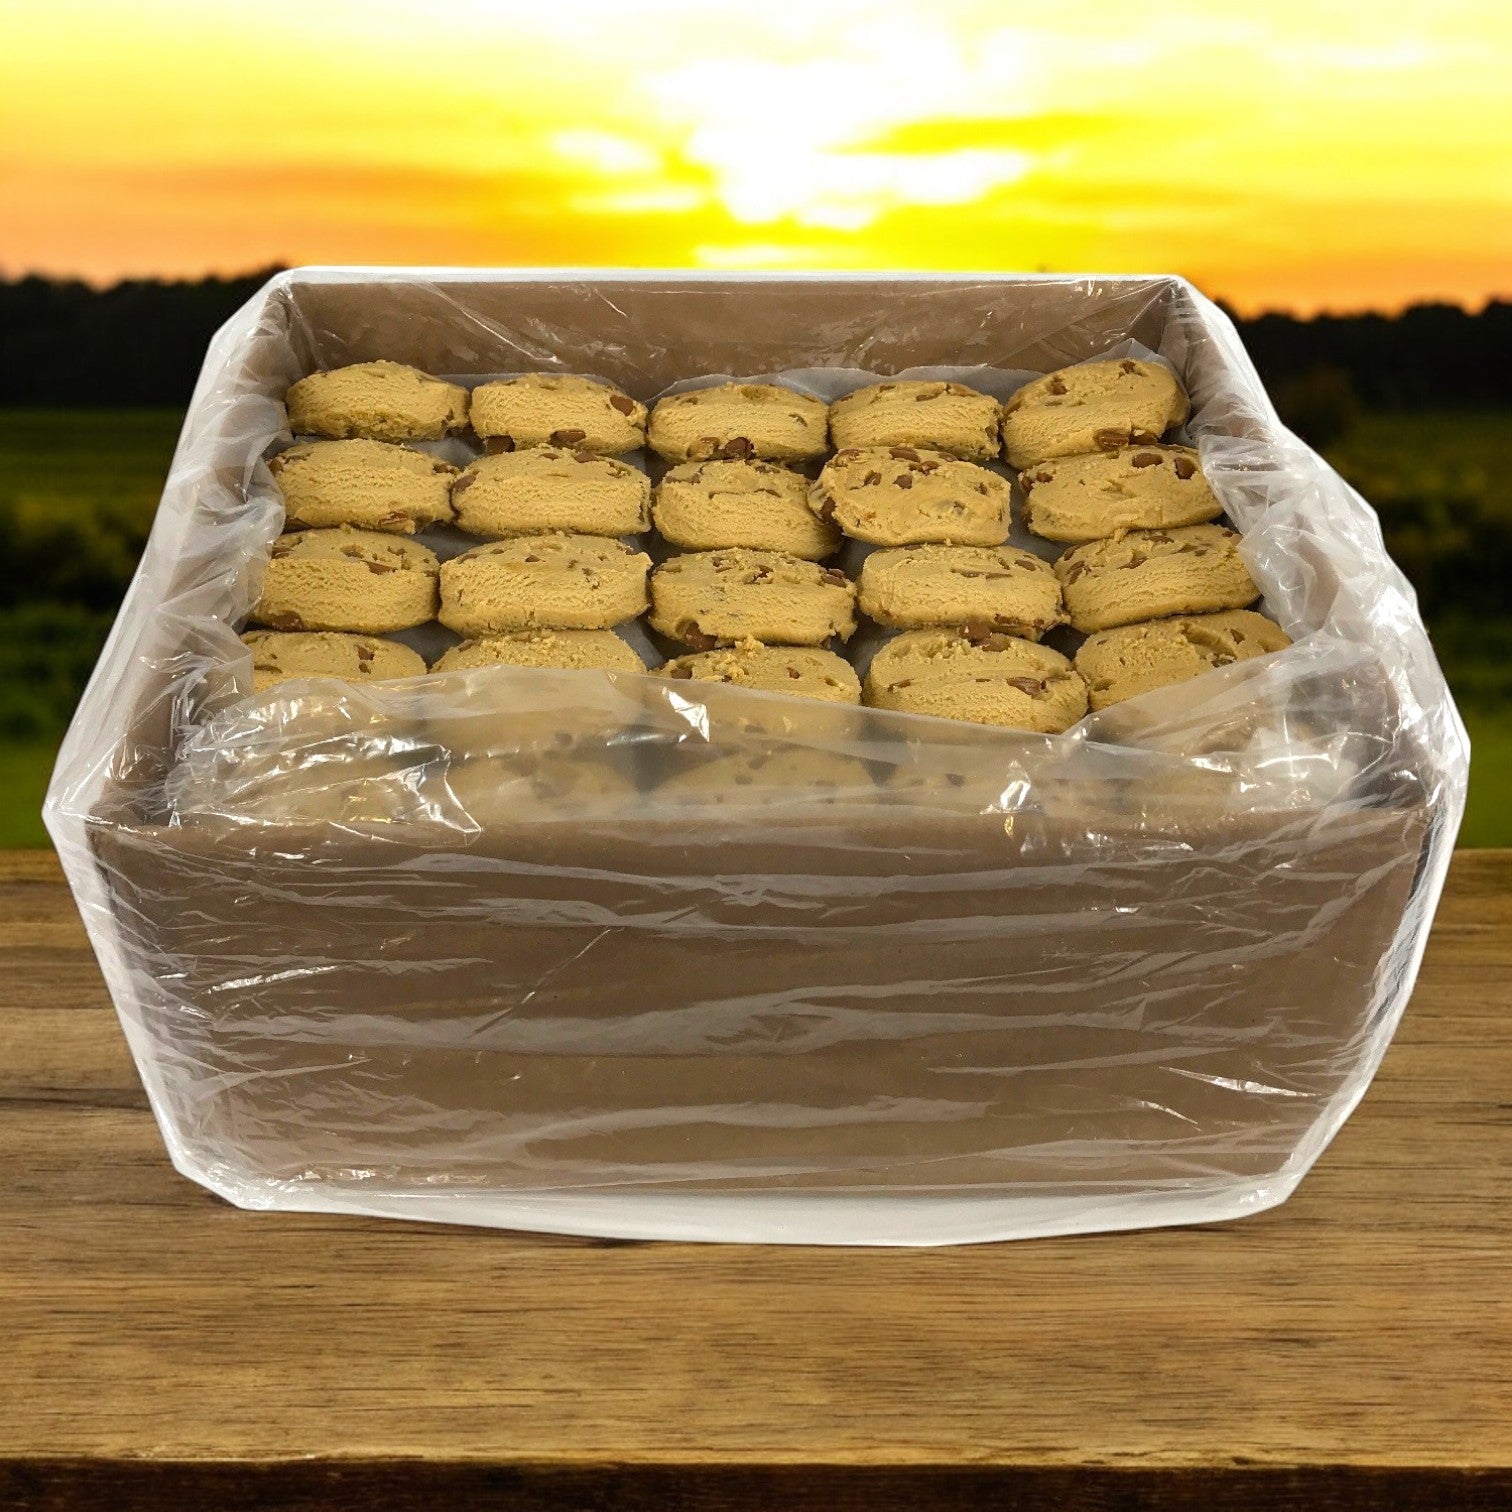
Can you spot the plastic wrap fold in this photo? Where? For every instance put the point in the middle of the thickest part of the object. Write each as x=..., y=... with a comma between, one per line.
x=611, y=954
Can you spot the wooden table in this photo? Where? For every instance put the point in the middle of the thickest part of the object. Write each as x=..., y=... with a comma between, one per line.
x=1352, y=1348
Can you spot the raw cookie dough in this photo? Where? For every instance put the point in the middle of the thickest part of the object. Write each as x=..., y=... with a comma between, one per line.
x=556, y=581
x=1123, y=663
x=1149, y=574
x=279, y=655
x=705, y=506
x=803, y=671
x=567, y=785
x=1085, y=497
x=547, y=409
x=770, y=778
x=996, y=587
x=382, y=401
x=545, y=488
x=1091, y=407
x=740, y=420
x=571, y=650
x=902, y=496
x=947, y=417
x=712, y=598
x=375, y=485
x=346, y=579
x=991, y=679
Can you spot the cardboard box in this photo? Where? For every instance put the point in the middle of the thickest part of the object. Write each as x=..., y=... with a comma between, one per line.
x=1104, y=1003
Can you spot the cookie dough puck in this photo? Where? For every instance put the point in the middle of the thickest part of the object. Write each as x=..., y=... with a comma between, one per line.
x=374, y=485
x=903, y=496
x=990, y=679
x=549, y=409
x=739, y=420
x=706, y=506
x=540, y=489
x=1085, y=497
x=569, y=650
x=382, y=401
x=802, y=671
x=1093, y=406
x=347, y=579
x=712, y=598
x=946, y=417
x=1151, y=574
x=279, y=655
x=997, y=587
x=1134, y=659
x=556, y=581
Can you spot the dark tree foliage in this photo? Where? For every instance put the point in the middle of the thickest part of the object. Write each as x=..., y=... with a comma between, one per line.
x=141, y=343
x=65, y=344
x=1428, y=357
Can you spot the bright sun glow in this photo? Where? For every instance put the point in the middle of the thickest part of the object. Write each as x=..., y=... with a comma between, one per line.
x=1304, y=153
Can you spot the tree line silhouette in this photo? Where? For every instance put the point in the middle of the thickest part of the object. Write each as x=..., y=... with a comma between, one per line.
x=140, y=342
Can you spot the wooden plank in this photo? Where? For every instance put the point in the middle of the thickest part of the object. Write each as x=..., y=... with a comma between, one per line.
x=1351, y=1348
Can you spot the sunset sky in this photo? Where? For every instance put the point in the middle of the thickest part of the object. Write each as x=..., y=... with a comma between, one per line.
x=1283, y=153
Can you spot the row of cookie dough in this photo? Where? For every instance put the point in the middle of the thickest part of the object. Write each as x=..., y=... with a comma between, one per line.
x=699, y=506
x=1091, y=406
x=892, y=496
x=280, y=656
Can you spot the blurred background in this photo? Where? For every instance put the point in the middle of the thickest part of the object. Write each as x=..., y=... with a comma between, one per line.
x=1336, y=174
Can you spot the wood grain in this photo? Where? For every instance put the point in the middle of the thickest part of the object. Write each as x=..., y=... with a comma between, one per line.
x=1352, y=1348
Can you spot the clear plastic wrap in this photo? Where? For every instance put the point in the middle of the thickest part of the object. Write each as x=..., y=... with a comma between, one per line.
x=611, y=954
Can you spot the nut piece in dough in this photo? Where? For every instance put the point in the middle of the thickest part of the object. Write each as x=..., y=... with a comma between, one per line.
x=946, y=417
x=712, y=598
x=1134, y=659
x=552, y=582
x=381, y=401
x=761, y=420
x=346, y=579
x=990, y=679
x=902, y=496
x=374, y=485
x=1083, y=498
x=550, y=409
x=706, y=506
x=539, y=489
x=1094, y=406
x=1150, y=574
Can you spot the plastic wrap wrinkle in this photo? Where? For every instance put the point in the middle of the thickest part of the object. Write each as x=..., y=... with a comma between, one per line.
x=506, y=947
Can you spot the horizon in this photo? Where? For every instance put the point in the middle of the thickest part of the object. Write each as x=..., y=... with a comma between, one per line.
x=105, y=285
x=1299, y=161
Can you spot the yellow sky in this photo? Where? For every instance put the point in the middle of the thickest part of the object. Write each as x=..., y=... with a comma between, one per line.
x=1298, y=153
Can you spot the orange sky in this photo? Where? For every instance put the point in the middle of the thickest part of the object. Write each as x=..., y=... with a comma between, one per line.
x=1297, y=153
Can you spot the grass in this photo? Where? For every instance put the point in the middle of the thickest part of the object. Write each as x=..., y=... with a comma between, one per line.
x=1473, y=448
x=24, y=770
x=80, y=462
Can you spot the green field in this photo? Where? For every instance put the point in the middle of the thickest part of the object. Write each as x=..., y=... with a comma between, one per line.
x=78, y=489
